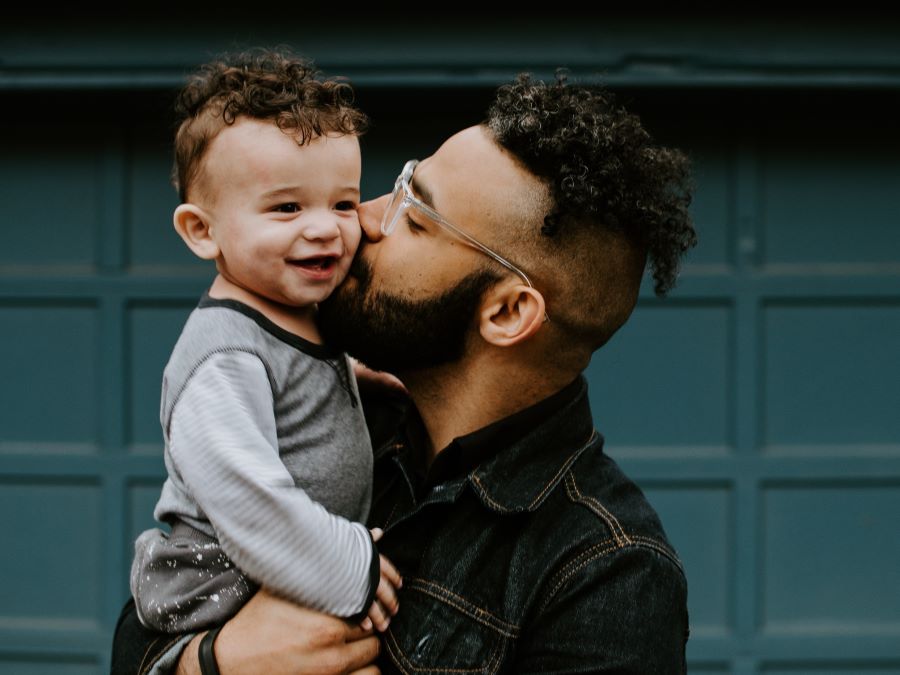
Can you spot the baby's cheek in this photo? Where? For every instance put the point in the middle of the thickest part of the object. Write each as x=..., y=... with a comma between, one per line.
x=352, y=236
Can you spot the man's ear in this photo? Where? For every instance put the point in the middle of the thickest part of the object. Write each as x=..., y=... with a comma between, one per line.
x=193, y=225
x=512, y=315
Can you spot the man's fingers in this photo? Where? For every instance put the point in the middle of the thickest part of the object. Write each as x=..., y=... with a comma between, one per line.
x=371, y=670
x=270, y=635
x=359, y=654
x=377, y=533
x=358, y=631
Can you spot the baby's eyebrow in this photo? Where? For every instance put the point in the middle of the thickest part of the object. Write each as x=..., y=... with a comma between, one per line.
x=280, y=192
x=290, y=191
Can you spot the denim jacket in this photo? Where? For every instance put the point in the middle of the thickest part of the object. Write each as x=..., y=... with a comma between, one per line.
x=544, y=557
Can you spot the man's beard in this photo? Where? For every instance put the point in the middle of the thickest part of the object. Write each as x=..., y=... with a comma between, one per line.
x=395, y=334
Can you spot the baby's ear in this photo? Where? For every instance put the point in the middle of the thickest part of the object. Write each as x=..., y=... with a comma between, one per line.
x=193, y=225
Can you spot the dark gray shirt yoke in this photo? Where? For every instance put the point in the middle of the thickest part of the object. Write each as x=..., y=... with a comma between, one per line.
x=269, y=459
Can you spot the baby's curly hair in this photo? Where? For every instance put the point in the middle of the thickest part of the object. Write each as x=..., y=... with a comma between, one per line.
x=601, y=167
x=264, y=84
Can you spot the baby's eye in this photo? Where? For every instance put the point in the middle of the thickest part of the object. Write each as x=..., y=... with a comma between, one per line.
x=345, y=206
x=288, y=207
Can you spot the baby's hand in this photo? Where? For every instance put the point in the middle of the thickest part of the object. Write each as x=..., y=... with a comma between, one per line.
x=375, y=379
x=386, y=604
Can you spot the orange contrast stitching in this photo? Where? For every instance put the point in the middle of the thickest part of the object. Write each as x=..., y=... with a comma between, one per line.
x=597, y=508
x=488, y=619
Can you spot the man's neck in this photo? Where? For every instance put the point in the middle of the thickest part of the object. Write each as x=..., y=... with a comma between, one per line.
x=460, y=398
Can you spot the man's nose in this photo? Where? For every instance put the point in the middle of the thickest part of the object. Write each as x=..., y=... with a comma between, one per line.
x=370, y=215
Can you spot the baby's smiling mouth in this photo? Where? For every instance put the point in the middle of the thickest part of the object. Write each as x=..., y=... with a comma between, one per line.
x=318, y=263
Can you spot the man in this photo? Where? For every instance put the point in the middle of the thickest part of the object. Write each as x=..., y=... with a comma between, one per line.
x=493, y=271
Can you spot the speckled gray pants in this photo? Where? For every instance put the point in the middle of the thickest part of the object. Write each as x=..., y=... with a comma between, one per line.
x=183, y=582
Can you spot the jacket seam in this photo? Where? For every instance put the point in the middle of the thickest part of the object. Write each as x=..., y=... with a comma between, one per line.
x=483, y=492
x=600, y=550
x=146, y=665
x=660, y=548
x=387, y=523
x=458, y=602
x=596, y=507
x=565, y=467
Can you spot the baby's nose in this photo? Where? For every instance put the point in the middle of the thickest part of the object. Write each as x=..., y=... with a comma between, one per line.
x=321, y=228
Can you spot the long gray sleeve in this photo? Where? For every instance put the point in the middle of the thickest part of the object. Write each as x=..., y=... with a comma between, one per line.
x=224, y=447
x=269, y=476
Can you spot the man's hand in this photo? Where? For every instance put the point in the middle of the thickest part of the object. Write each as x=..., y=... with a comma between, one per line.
x=271, y=636
x=386, y=603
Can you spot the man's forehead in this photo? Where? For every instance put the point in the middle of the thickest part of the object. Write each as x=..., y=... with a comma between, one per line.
x=469, y=172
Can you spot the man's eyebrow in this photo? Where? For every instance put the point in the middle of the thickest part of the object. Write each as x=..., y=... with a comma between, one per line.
x=423, y=192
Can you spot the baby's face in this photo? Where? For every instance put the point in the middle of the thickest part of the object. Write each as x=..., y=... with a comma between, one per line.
x=283, y=215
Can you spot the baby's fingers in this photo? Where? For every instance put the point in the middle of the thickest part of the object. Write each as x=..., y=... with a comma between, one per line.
x=389, y=572
x=378, y=616
x=386, y=596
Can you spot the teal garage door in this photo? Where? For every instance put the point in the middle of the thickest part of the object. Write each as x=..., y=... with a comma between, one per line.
x=757, y=406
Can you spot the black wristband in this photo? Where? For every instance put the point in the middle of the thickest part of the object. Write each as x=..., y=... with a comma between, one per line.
x=205, y=654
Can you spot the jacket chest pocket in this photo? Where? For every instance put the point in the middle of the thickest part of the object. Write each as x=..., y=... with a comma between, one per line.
x=438, y=631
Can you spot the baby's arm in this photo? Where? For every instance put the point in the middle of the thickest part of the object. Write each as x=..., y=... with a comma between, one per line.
x=223, y=445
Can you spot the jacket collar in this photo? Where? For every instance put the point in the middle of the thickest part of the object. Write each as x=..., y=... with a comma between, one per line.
x=517, y=460
x=519, y=477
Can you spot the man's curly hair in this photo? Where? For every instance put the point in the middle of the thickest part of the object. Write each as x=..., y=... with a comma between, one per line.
x=263, y=84
x=601, y=167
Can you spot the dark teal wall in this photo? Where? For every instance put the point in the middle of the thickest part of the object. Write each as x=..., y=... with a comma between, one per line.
x=757, y=405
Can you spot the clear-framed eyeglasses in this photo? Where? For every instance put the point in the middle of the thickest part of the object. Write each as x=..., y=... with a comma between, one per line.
x=403, y=198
